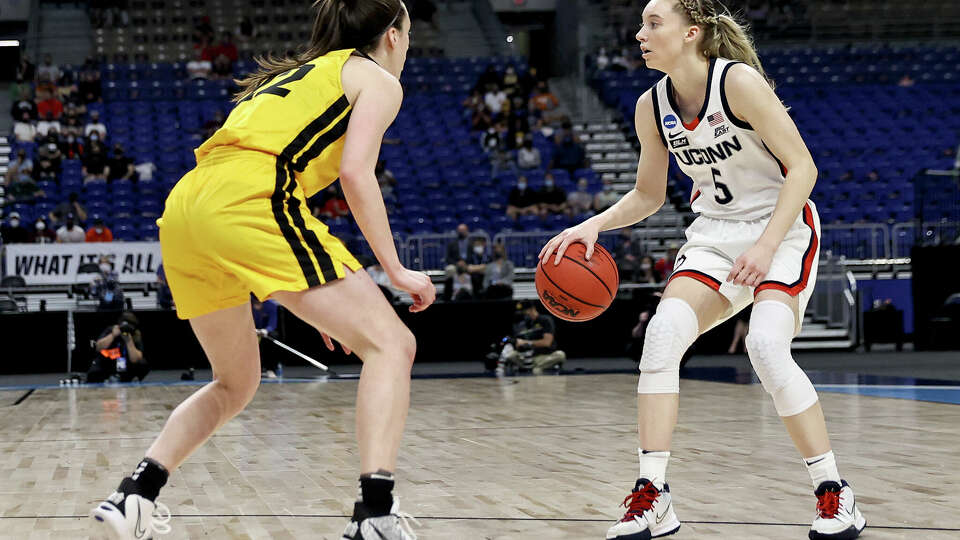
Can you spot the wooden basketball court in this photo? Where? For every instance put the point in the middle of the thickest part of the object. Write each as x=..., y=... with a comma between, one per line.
x=518, y=458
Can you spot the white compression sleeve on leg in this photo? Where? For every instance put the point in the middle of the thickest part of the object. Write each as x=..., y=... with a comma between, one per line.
x=670, y=333
x=772, y=326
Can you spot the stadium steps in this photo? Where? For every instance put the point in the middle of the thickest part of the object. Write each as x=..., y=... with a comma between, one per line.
x=461, y=34
x=65, y=34
x=4, y=154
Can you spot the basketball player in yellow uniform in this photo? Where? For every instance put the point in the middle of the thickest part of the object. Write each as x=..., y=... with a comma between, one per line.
x=238, y=223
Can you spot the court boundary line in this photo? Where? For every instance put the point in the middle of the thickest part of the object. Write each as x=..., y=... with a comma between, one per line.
x=490, y=518
x=24, y=397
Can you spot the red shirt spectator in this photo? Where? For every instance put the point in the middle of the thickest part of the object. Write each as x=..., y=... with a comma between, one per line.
x=50, y=105
x=99, y=232
x=335, y=207
x=665, y=265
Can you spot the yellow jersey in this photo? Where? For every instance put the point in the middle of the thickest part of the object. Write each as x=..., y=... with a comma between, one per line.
x=300, y=115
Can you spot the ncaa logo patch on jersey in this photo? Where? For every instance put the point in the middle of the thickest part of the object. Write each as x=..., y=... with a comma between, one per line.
x=670, y=121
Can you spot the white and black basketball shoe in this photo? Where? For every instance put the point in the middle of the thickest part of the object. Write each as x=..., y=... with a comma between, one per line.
x=649, y=514
x=838, y=517
x=393, y=526
x=130, y=517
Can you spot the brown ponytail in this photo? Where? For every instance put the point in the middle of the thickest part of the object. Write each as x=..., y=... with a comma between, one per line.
x=723, y=35
x=339, y=24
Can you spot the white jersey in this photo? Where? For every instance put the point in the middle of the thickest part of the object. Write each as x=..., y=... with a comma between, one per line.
x=735, y=175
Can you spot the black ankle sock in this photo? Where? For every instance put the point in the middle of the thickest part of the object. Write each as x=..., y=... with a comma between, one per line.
x=375, y=490
x=146, y=480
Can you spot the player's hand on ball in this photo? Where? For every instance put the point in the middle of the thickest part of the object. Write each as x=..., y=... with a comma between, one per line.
x=418, y=285
x=585, y=233
x=751, y=266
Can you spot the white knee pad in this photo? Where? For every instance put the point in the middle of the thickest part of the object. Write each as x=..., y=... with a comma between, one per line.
x=670, y=333
x=772, y=327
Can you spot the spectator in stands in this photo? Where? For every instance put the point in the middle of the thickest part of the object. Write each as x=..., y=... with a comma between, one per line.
x=606, y=198
x=22, y=189
x=71, y=145
x=473, y=101
x=664, y=266
x=510, y=81
x=49, y=126
x=500, y=157
x=498, y=275
x=628, y=255
x=570, y=155
x=199, y=67
x=580, y=202
x=95, y=126
x=225, y=54
x=13, y=231
x=246, y=29
x=48, y=104
x=70, y=206
x=265, y=321
x=528, y=157
x=24, y=130
x=386, y=179
x=494, y=99
x=119, y=352
x=41, y=234
x=461, y=283
x=70, y=232
x=602, y=60
x=121, y=166
x=164, y=296
x=488, y=77
x=26, y=70
x=24, y=105
x=48, y=71
x=647, y=271
x=90, y=88
x=336, y=205
x=477, y=261
x=71, y=122
x=517, y=128
x=203, y=31
x=95, y=168
x=536, y=344
x=543, y=99
x=553, y=198
x=99, y=232
x=22, y=166
x=459, y=248
x=522, y=200
x=48, y=161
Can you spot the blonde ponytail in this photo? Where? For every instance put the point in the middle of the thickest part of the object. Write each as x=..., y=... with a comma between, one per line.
x=723, y=35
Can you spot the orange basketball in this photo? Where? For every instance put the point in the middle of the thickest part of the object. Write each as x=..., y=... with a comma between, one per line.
x=578, y=289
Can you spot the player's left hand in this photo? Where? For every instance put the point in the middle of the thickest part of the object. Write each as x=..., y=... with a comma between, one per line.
x=329, y=344
x=751, y=266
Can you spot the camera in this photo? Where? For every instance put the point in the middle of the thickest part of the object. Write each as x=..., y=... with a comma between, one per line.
x=127, y=328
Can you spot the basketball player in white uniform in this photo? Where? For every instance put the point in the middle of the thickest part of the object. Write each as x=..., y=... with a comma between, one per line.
x=756, y=240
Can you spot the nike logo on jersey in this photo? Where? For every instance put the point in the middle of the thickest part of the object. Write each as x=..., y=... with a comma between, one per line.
x=711, y=154
x=137, y=531
x=674, y=135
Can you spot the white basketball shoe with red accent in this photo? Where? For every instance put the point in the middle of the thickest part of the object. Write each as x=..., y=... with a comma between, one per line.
x=649, y=514
x=838, y=517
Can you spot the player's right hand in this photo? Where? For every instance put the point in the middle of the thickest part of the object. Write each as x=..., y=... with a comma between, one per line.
x=585, y=233
x=418, y=285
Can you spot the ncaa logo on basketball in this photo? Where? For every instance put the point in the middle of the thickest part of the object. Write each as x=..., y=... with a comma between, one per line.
x=670, y=121
x=559, y=306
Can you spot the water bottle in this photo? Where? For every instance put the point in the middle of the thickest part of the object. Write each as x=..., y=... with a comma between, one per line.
x=279, y=370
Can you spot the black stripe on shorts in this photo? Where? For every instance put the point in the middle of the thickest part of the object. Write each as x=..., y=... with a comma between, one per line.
x=276, y=203
x=323, y=258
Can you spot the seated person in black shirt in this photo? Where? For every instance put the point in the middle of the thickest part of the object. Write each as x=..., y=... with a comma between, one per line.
x=534, y=344
x=523, y=201
x=553, y=199
x=120, y=166
x=119, y=352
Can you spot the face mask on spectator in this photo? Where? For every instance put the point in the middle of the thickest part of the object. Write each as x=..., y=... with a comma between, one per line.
x=51, y=147
x=548, y=183
x=645, y=267
x=105, y=268
x=94, y=137
x=14, y=222
x=41, y=225
x=478, y=250
x=521, y=186
x=98, y=229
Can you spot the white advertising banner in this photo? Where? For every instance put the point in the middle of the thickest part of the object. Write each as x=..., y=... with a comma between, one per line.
x=57, y=264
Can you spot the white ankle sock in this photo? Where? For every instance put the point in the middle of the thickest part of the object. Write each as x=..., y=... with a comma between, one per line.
x=822, y=468
x=653, y=466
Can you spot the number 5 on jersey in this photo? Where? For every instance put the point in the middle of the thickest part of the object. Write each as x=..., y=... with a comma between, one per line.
x=721, y=192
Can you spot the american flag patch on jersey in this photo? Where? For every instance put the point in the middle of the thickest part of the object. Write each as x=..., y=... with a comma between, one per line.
x=715, y=119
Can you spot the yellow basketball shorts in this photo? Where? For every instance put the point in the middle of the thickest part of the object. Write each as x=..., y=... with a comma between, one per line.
x=240, y=225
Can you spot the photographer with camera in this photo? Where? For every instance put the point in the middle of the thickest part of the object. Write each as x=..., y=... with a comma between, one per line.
x=532, y=347
x=119, y=352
